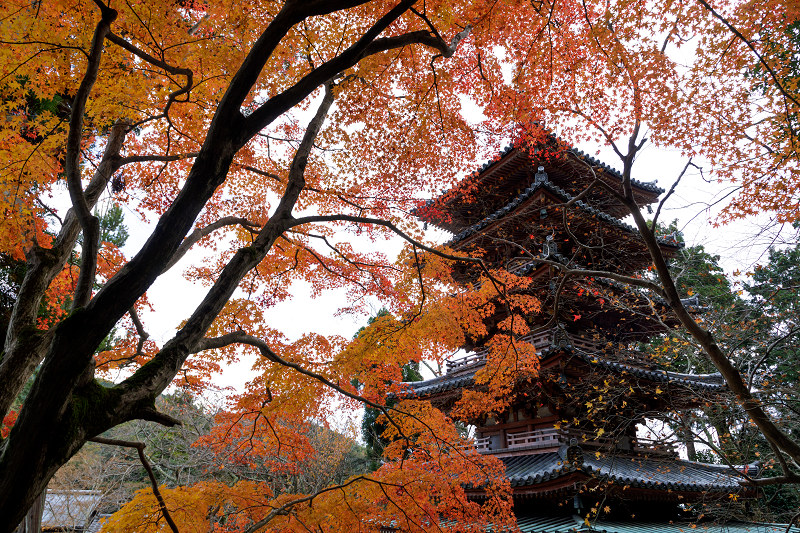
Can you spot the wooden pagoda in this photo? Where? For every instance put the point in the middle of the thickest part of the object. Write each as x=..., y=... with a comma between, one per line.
x=572, y=442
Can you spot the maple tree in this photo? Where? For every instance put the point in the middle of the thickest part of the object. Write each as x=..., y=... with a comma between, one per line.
x=271, y=131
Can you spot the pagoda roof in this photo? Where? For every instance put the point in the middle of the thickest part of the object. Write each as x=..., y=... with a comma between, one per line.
x=707, y=382
x=560, y=193
x=497, y=178
x=443, y=383
x=627, y=470
x=466, y=377
x=528, y=265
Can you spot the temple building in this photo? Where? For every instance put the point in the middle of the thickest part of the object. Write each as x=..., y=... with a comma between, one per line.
x=572, y=441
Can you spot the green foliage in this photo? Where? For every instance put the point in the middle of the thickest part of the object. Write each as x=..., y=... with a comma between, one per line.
x=758, y=326
x=372, y=429
x=783, y=49
x=112, y=226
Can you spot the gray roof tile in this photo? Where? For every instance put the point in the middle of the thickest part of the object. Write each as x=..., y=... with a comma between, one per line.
x=70, y=509
x=574, y=523
x=635, y=471
x=708, y=382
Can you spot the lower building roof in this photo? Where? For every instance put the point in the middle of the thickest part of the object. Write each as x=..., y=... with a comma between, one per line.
x=70, y=510
x=625, y=470
x=575, y=523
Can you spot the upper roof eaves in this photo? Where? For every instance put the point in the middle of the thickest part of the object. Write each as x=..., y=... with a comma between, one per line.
x=565, y=196
x=643, y=185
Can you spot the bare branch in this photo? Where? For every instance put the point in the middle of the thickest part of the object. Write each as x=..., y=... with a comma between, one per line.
x=205, y=231
x=671, y=191
x=143, y=335
x=155, y=158
x=146, y=464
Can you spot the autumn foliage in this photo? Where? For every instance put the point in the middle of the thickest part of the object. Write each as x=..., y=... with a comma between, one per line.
x=278, y=137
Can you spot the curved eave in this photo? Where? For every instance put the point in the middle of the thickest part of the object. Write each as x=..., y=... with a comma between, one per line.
x=561, y=194
x=707, y=382
x=511, y=154
x=626, y=471
x=466, y=377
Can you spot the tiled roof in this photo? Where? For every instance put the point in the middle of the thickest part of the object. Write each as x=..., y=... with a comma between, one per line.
x=672, y=474
x=575, y=523
x=70, y=509
x=708, y=382
x=645, y=186
x=443, y=383
x=563, y=195
x=521, y=268
x=702, y=381
x=633, y=471
x=551, y=524
x=525, y=470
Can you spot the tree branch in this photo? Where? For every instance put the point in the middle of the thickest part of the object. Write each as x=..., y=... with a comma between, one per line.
x=205, y=231
x=143, y=335
x=157, y=373
x=172, y=97
x=120, y=161
x=146, y=464
x=671, y=191
x=367, y=44
x=89, y=223
x=22, y=351
x=733, y=378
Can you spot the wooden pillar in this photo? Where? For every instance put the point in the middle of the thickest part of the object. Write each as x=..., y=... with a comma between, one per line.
x=33, y=520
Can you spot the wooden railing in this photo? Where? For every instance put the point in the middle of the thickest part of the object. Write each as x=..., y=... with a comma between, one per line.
x=538, y=438
x=587, y=344
x=551, y=437
x=654, y=446
x=482, y=445
x=587, y=439
x=543, y=340
x=471, y=359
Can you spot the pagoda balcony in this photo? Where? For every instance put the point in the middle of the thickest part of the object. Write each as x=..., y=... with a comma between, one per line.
x=639, y=445
x=548, y=439
x=539, y=438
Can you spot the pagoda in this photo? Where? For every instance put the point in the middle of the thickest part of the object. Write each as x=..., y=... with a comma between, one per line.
x=572, y=440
